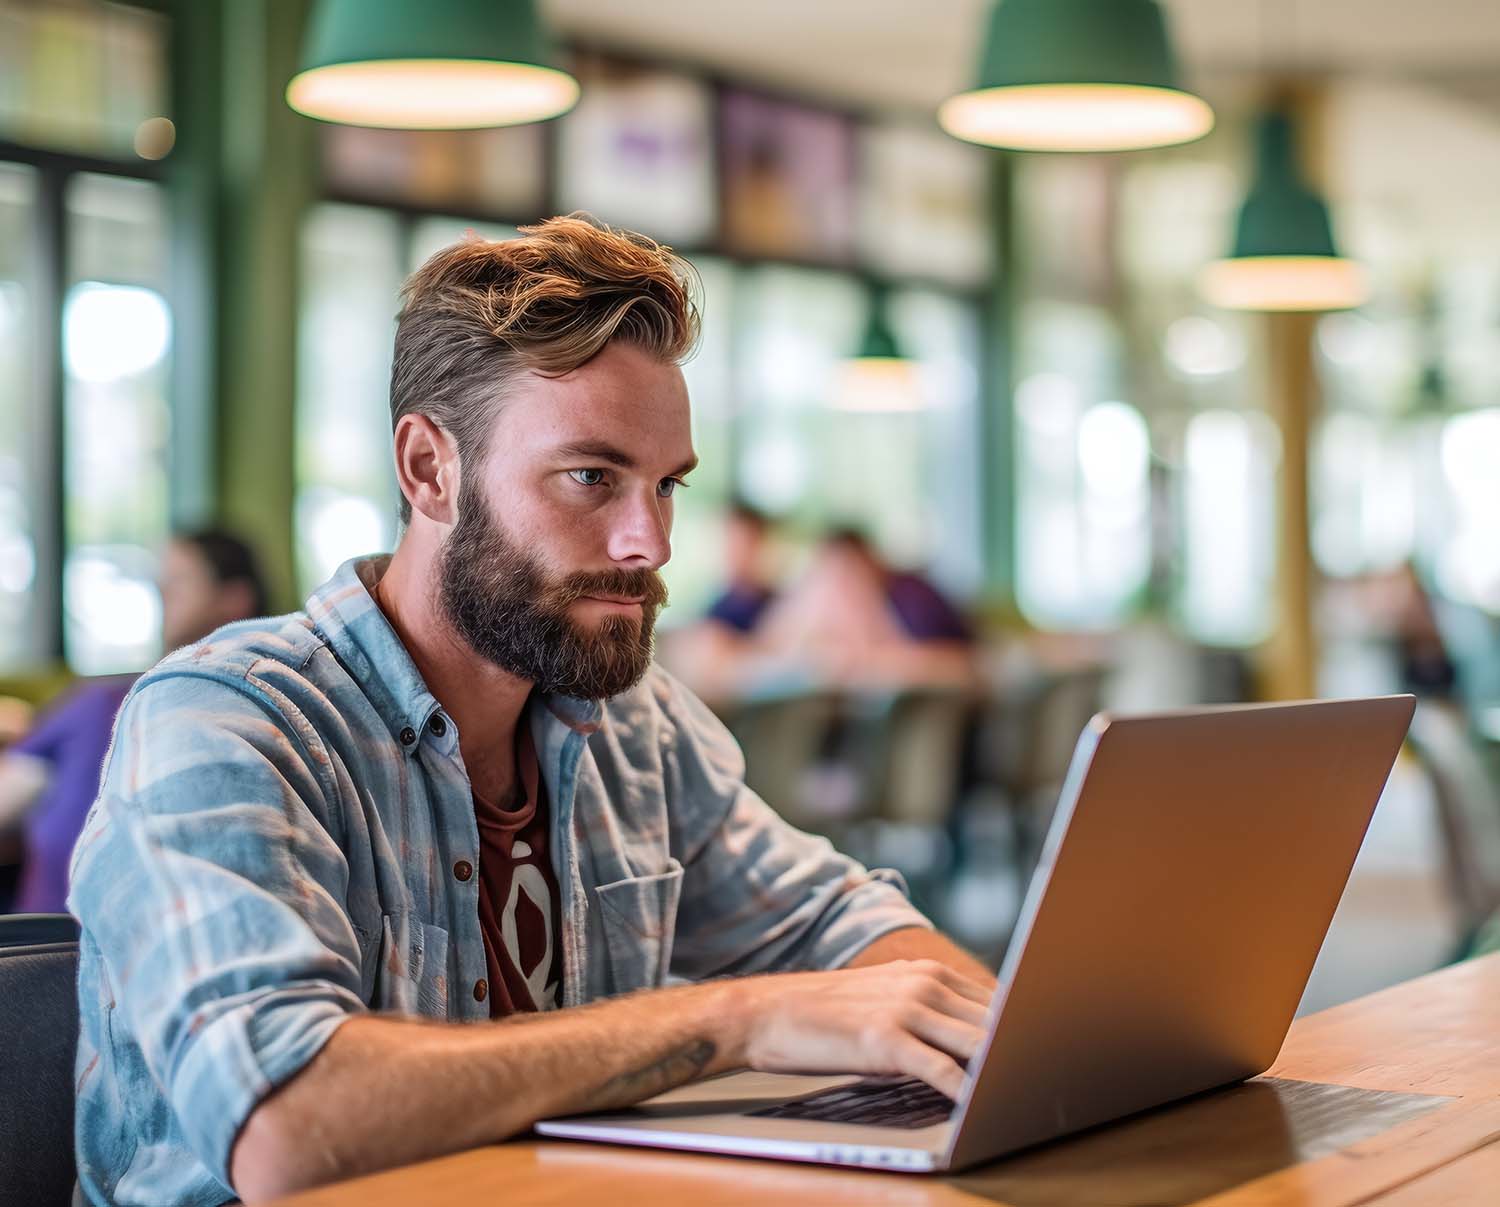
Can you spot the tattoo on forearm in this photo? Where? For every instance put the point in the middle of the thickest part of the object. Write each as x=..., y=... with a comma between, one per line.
x=673, y=1069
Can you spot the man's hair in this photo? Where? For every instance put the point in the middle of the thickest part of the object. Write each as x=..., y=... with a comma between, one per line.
x=229, y=560
x=479, y=313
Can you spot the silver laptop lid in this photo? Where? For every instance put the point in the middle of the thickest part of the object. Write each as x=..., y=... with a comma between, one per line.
x=1163, y=947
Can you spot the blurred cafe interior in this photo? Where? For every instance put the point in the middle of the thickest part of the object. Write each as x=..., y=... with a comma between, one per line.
x=1005, y=416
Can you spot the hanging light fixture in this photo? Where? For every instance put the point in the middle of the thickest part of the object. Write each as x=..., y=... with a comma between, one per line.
x=437, y=65
x=1077, y=75
x=880, y=377
x=1284, y=257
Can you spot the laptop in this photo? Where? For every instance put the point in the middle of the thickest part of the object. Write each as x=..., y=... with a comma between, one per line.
x=1186, y=883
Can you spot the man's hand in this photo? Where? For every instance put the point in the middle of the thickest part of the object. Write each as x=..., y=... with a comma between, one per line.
x=915, y=1018
x=385, y=1091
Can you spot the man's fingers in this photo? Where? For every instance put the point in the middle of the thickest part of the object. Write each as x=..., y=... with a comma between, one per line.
x=941, y=1072
x=956, y=981
x=955, y=1005
x=959, y=1039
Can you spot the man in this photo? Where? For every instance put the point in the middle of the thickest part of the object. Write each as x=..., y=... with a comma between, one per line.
x=50, y=776
x=342, y=870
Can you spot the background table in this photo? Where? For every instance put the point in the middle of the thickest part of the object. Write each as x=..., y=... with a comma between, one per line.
x=1390, y=1101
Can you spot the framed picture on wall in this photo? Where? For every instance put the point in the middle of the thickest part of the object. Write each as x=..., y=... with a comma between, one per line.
x=788, y=183
x=499, y=172
x=922, y=206
x=638, y=151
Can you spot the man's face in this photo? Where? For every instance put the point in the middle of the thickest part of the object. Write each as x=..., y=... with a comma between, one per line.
x=551, y=569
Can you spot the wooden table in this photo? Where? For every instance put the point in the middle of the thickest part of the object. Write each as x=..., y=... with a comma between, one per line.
x=1389, y=1101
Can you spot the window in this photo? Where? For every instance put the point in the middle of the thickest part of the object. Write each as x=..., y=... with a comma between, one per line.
x=1469, y=555
x=85, y=333
x=117, y=334
x=352, y=267
x=84, y=76
x=1083, y=491
x=1226, y=494
x=22, y=433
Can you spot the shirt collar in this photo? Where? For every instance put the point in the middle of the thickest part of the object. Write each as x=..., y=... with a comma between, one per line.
x=363, y=640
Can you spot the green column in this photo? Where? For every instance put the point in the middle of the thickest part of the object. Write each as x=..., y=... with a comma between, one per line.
x=194, y=196
x=267, y=174
x=997, y=432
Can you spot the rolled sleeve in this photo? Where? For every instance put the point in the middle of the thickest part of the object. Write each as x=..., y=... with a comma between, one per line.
x=211, y=887
x=758, y=894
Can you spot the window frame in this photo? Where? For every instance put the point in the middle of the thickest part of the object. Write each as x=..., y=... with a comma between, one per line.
x=50, y=249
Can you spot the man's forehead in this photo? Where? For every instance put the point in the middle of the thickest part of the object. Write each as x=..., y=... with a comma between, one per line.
x=634, y=419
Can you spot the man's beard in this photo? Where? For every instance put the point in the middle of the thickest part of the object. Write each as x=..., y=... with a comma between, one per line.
x=505, y=604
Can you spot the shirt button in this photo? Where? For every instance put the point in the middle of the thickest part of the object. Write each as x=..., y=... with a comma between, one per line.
x=437, y=725
x=481, y=989
x=463, y=869
x=408, y=736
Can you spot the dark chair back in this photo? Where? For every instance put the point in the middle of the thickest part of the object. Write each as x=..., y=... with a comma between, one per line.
x=38, y=1039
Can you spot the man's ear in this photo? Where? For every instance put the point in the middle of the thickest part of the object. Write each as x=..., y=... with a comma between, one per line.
x=427, y=468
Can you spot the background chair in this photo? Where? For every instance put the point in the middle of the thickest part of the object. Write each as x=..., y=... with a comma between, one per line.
x=1468, y=813
x=38, y=1039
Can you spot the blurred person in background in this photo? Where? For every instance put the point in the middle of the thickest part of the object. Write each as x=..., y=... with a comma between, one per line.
x=712, y=654
x=49, y=777
x=750, y=582
x=862, y=623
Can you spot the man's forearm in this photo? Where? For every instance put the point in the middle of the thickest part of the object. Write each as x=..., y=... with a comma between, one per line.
x=919, y=943
x=389, y=1091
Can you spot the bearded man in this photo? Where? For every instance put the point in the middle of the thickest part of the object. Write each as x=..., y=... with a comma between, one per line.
x=410, y=870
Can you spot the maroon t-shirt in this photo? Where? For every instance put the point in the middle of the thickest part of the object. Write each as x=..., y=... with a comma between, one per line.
x=518, y=897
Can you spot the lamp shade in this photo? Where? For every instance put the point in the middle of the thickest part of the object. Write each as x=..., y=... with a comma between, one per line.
x=1284, y=256
x=1077, y=75
x=879, y=377
x=438, y=65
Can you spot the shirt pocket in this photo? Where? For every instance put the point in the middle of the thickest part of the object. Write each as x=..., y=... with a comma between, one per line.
x=640, y=918
x=405, y=967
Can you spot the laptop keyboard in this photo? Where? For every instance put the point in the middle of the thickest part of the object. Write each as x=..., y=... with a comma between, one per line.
x=877, y=1102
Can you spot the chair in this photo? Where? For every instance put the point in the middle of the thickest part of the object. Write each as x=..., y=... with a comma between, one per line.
x=783, y=737
x=1468, y=813
x=38, y=1039
x=905, y=751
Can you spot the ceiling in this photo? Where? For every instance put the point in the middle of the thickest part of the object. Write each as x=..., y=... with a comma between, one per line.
x=909, y=55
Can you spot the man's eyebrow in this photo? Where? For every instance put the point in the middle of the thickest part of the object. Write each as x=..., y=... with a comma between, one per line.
x=593, y=450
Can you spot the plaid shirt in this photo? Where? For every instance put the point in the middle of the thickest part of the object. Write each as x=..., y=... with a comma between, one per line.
x=273, y=849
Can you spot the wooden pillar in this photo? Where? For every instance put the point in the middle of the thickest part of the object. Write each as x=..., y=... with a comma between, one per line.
x=1289, y=660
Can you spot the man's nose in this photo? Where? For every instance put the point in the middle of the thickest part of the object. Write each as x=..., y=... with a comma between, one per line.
x=641, y=535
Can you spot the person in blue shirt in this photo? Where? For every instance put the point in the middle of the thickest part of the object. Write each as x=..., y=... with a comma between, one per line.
x=748, y=590
x=314, y=857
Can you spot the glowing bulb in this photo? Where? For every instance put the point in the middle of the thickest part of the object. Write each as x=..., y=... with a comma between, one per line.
x=1285, y=283
x=1076, y=117
x=432, y=94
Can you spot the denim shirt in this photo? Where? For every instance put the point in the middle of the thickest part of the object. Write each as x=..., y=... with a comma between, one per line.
x=273, y=849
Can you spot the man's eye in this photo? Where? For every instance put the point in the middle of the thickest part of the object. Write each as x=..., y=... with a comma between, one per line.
x=587, y=477
x=667, y=486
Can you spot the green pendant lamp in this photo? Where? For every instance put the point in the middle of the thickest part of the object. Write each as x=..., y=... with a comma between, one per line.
x=1284, y=256
x=1077, y=75
x=880, y=377
x=437, y=65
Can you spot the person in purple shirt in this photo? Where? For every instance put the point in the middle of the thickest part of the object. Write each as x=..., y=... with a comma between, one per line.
x=862, y=623
x=48, y=778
